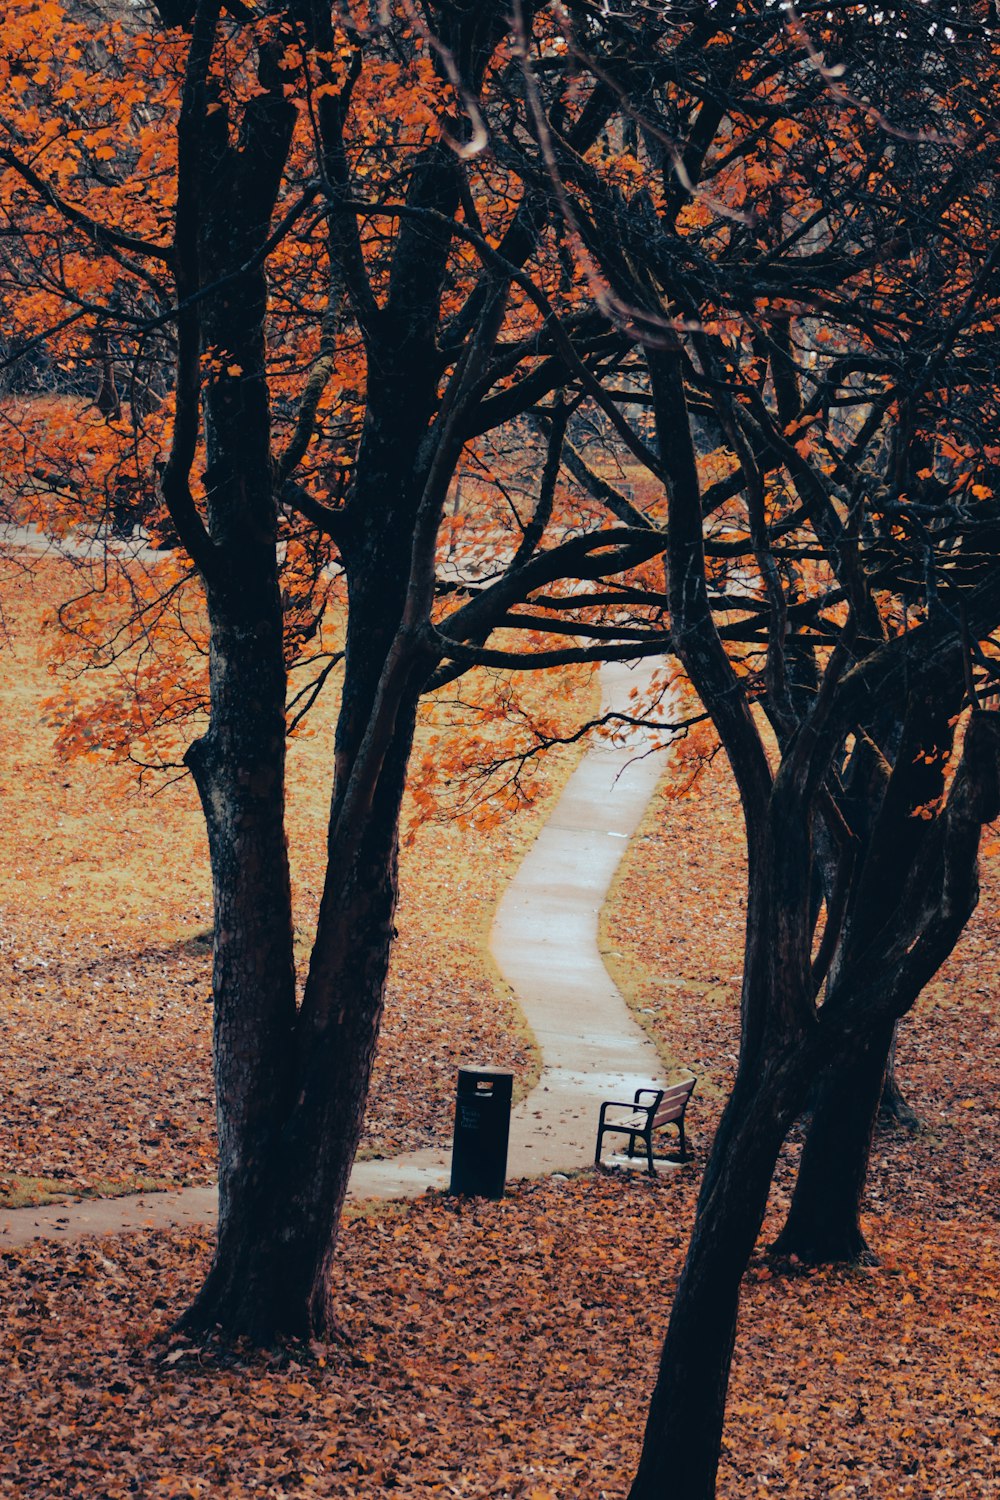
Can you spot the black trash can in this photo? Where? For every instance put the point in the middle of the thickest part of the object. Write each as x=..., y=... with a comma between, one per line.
x=482, y=1127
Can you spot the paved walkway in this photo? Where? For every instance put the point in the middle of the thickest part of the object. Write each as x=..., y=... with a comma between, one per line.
x=84, y=547
x=544, y=939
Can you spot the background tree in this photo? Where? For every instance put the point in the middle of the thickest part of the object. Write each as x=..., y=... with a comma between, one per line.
x=802, y=244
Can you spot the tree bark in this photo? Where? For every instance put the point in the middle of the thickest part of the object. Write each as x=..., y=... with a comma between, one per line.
x=680, y=1454
x=894, y=1108
x=824, y=1218
x=254, y=974
x=280, y=1210
x=292, y=1085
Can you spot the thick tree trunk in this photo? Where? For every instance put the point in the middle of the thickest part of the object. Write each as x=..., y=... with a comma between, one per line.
x=282, y=1191
x=260, y=1282
x=683, y=1437
x=824, y=1218
x=271, y=1277
x=292, y=1087
x=254, y=974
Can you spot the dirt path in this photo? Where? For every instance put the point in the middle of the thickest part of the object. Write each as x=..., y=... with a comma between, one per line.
x=544, y=939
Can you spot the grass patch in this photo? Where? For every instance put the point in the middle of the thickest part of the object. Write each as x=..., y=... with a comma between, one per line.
x=20, y=1191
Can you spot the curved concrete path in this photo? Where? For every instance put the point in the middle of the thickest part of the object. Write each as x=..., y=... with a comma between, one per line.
x=544, y=939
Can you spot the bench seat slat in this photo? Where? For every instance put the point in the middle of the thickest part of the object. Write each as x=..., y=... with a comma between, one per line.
x=632, y=1122
x=639, y=1122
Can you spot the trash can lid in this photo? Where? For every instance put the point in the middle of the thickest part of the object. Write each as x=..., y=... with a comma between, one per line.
x=469, y=1070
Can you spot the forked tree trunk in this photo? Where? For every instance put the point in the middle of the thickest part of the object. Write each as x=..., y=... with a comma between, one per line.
x=291, y=1082
x=271, y=1277
x=683, y=1437
x=291, y=1085
x=824, y=1218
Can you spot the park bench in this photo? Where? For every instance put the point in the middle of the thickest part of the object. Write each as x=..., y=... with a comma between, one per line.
x=666, y=1107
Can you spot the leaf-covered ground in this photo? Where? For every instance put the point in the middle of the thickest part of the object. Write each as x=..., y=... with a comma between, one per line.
x=105, y=916
x=504, y=1350
x=494, y=1349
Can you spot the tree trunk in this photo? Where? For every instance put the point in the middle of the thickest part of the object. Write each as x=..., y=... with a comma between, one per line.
x=292, y=1087
x=894, y=1108
x=283, y=1190
x=254, y=973
x=271, y=1278
x=683, y=1436
x=824, y=1220
x=292, y=1084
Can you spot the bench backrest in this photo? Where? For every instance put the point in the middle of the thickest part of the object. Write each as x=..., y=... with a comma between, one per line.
x=672, y=1105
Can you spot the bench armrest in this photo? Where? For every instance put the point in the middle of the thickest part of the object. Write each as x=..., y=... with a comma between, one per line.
x=621, y=1104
